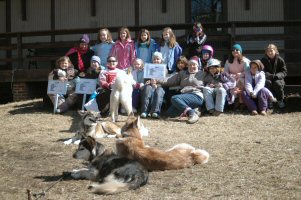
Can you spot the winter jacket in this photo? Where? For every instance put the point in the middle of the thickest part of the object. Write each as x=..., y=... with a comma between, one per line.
x=153, y=47
x=102, y=50
x=125, y=53
x=224, y=78
x=276, y=70
x=188, y=82
x=259, y=82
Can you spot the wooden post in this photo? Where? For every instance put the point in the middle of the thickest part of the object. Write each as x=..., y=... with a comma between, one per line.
x=93, y=8
x=233, y=29
x=23, y=10
x=20, y=51
x=164, y=6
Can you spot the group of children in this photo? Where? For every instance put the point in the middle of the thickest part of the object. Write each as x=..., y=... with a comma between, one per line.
x=188, y=83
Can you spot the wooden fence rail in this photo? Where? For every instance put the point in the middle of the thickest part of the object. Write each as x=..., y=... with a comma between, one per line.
x=228, y=36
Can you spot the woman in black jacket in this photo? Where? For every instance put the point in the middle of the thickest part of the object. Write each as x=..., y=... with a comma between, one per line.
x=275, y=72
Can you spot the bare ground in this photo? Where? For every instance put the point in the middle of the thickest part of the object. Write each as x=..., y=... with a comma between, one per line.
x=252, y=157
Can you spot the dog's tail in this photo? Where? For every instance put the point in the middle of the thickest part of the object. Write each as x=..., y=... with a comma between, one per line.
x=111, y=185
x=200, y=156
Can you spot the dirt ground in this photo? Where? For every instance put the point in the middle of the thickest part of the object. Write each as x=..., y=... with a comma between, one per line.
x=252, y=157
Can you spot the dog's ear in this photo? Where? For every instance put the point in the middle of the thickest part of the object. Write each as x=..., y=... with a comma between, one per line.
x=137, y=123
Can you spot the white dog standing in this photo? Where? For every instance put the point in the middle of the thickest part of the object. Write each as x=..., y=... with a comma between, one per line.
x=121, y=93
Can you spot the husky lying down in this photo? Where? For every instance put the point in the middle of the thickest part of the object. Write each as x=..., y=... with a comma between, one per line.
x=132, y=146
x=90, y=125
x=114, y=173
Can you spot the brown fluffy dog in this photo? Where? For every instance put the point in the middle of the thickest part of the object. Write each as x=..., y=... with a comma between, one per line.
x=178, y=157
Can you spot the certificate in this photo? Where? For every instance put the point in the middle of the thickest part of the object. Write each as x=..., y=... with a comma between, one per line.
x=56, y=87
x=85, y=86
x=154, y=71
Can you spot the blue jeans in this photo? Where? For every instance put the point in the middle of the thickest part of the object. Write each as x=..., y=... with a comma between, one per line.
x=152, y=99
x=182, y=101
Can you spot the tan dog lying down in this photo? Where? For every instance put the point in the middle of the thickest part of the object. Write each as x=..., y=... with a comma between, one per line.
x=90, y=125
x=132, y=146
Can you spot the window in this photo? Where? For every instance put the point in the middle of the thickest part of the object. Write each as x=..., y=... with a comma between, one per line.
x=206, y=10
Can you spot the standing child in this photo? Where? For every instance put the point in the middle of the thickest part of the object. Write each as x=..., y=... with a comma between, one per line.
x=170, y=49
x=104, y=47
x=216, y=86
x=275, y=71
x=152, y=94
x=124, y=49
x=145, y=46
x=64, y=71
x=236, y=66
x=196, y=40
x=256, y=96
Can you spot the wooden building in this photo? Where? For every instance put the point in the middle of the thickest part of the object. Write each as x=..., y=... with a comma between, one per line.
x=48, y=24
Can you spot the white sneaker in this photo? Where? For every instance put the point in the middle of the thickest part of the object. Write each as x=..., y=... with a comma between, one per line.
x=193, y=118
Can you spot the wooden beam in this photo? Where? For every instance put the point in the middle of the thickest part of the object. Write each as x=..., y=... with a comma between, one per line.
x=247, y=4
x=93, y=8
x=23, y=10
x=188, y=11
x=137, y=20
x=52, y=18
x=8, y=29
x=164, y=6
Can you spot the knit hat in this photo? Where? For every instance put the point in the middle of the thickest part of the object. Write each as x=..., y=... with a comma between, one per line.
x=194, y=59
x=157, y=54
x=84, y=39
x=96, y=59
x=237, y=47
x=258, y=63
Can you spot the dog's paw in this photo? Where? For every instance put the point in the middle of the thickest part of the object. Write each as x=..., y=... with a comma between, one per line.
x=76, y=174
x=67, y=142
x=111, y=136
x=76, y=142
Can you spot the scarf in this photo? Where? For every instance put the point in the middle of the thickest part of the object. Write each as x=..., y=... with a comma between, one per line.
x=80, y=53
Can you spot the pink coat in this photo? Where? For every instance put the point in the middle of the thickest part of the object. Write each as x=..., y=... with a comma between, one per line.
x=125, y=53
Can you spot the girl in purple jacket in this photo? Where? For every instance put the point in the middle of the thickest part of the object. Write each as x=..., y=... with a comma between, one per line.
x=256, y=96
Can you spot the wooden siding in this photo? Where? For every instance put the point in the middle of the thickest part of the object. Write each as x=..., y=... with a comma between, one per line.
x=38, y=18
x=259, y=10
x=2, y=16
x=151, y=13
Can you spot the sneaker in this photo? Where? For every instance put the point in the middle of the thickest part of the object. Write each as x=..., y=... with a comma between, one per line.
x=134, y=110
x=281, y=104
x=254, y=112
x=196, y=110
x=193, y=118
x=155, y=115
x=211, y=111
x=143, y=115
x=264, y=113
x=58, y=111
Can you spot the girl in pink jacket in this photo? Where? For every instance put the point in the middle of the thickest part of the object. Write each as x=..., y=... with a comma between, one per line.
x=124, y=49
